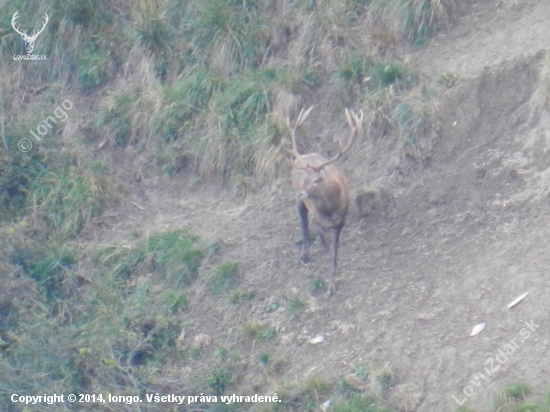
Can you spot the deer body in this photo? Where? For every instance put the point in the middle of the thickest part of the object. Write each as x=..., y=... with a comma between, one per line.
x=322, y=191
x=328, y=200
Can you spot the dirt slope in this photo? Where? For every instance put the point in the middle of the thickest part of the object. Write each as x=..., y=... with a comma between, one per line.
x=450, y=246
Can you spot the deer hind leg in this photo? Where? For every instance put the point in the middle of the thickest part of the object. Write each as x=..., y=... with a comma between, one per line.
x=302, y=210
x=323, y=235
x=335, y=239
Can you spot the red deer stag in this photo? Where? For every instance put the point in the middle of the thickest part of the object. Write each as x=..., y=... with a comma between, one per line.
x=322, y=190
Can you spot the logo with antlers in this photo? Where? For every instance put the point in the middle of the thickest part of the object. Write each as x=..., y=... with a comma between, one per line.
x=29, y=40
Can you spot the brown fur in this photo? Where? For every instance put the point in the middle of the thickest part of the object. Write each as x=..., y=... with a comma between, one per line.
x=323, y=191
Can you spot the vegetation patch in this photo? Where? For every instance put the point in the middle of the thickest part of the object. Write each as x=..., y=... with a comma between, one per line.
x=68, y=199
x=223, y=278
x=49, y=266
x=257, y=331
x=293, y=307
x=415, y=19
x=174, y=255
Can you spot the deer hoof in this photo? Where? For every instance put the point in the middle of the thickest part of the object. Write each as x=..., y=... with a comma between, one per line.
x=304, y=260
x=331, y=290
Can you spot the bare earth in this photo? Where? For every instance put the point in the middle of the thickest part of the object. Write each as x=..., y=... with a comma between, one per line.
x=451, y=243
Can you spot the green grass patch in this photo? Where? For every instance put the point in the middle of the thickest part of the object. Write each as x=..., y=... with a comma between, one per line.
x=91, y=68
x=415, y=116
x=359, y=75
x=63, y=189
x=257, y=331
x=386, y=379
x=360, y=370
x=220, y=378
x=49, y=266
x=240, y=296
x=447, y=79
x=264, y=358
x=18, y=171
x=174, y=255
x=359, y=403
x=387, y=74
x=66, y=200
x=226, y=33
x=223, y=278
x=317, y=284
x=464, y=409
x=293, y=307
x=116, y=118
x=512, y=396
x=415, y=19
x=271, y=306
x=151, y=28
x=175, y=301
x=306, y=396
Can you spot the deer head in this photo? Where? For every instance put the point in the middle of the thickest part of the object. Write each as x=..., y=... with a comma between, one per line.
x=29, y=40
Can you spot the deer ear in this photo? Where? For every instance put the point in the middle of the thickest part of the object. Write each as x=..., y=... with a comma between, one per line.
x=322, y=173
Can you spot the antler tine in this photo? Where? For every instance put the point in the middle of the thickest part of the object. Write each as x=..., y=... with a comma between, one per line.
x=299, y=120
x=355, y=122
x=294, y=150
x=302, y=116
x=355, y=128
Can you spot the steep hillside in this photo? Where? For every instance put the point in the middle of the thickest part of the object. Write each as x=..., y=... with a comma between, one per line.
x=455, y=233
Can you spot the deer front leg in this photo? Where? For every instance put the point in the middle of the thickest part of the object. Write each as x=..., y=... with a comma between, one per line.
x=302, y=210
x=332, y=275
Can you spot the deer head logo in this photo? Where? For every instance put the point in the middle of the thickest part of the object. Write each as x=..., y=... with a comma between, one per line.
x=29, y=40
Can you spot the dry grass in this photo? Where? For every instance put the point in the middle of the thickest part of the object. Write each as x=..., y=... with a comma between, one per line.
x=541, y=96
x=414, y=19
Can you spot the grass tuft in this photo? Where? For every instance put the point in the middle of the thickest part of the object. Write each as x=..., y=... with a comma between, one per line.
x=264, y=358
x=359, y=403
x=257, y=331
x=317, y=284
x=414, y=19
x=447, y=79
x=49, y=266
x=223, y=277
x=175, y=301
x=69, y=199
x=91, y=68
x=230, y=35
x=293, y=307
x=541, y=96
x=386, y=379
x=387, y=74
x=239, y=296
x=151, y=29
x=416, y=118
x=220, y=378
x=516, y=392
x=360, y=370
x=174, y=255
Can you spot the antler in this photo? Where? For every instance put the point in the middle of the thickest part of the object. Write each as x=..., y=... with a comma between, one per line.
x=15, y=16
x=355, y=123
x=301, y=117
x=35, y=33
